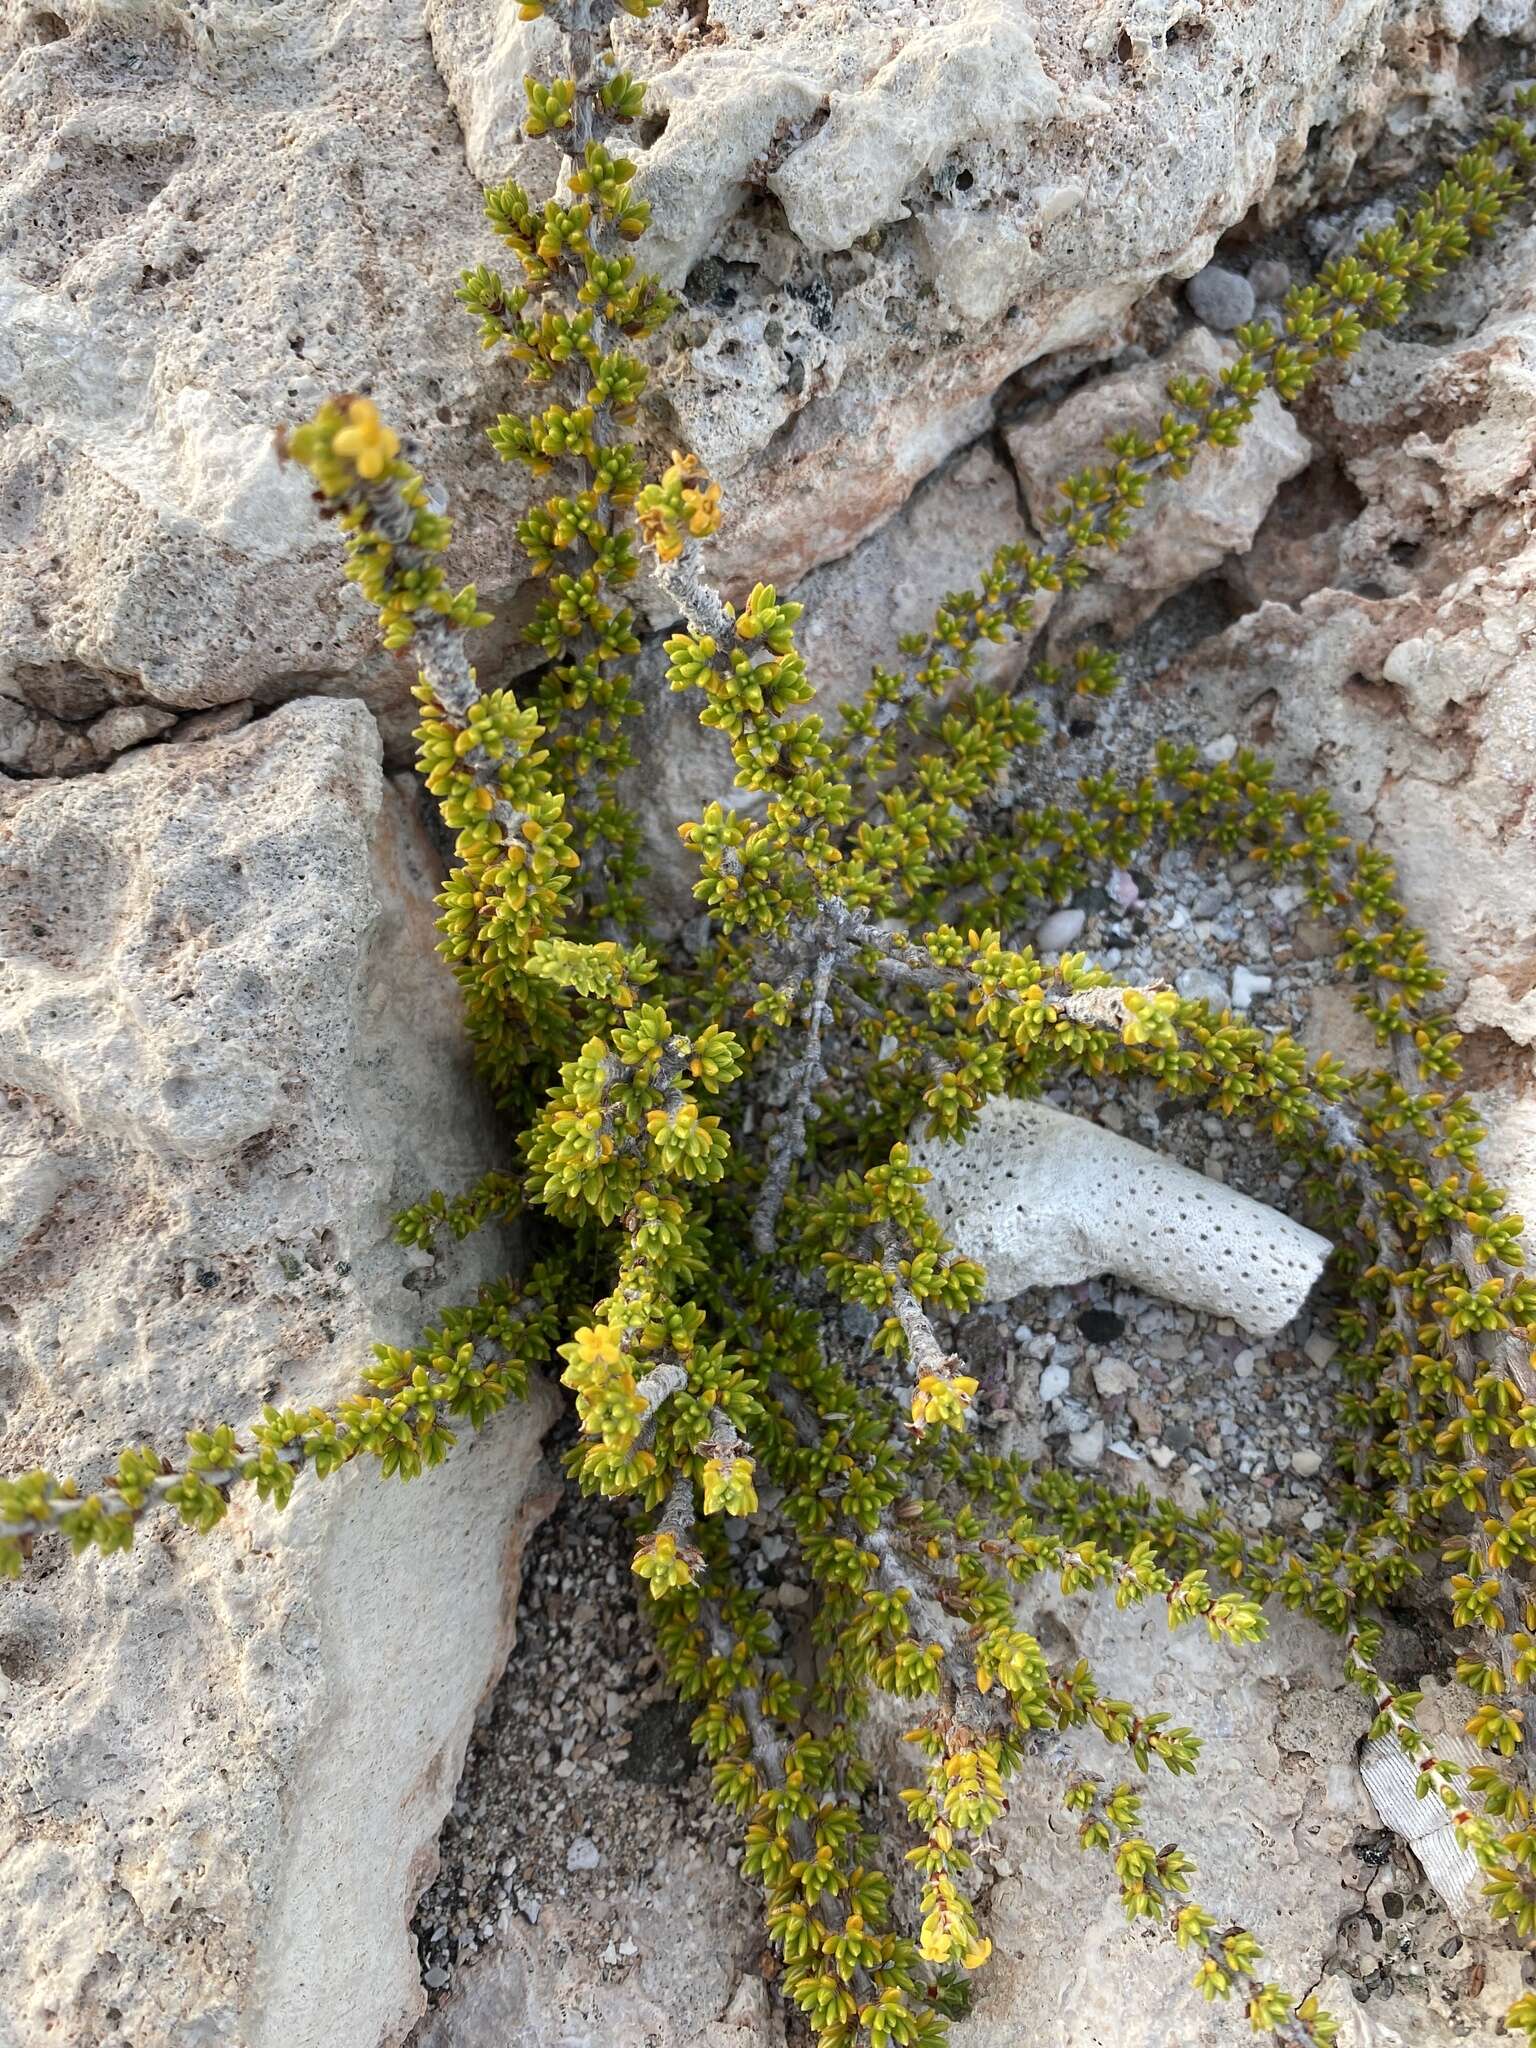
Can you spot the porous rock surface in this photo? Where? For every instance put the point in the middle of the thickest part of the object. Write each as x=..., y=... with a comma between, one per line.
x=228, y=1054
x=201, y=235
x=1390, y=651
x=882, y=211
x=213, y=214
x=1274, y=1819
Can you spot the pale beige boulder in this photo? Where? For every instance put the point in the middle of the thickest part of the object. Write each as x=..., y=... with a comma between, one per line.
x=229, y=1054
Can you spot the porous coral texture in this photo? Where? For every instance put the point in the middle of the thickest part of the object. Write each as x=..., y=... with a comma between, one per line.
x=1043, y=1199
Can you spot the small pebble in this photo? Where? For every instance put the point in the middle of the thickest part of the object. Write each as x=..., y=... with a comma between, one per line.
x=1200, y=985
x=1242, y=1365
x=1113, y=1376
x=1086, y=1446
x=1056, y=932
x=1122, y=887
x=1306, y=1464
x=1217, y=751
x=1054, y=1382
x=1246, y=985
x=1271, y=279
x=583, y=1854
x=1320, y=1348
x=1220, y=297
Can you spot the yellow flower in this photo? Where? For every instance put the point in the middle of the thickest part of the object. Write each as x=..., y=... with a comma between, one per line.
x=597, y=1345
x=365, y=440
x=941, y=1398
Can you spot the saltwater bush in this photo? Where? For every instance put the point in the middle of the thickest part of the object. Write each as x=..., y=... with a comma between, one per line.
x=722, y=1130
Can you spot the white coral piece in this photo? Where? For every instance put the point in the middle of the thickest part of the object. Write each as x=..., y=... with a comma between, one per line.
x=1392, y=1780
x=1043, y=1199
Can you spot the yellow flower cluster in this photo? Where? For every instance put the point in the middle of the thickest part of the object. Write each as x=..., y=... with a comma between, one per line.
x=365, y=441
x=941, y=1399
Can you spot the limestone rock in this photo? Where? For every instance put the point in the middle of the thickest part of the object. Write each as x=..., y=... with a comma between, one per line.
x=229, y=1053
x=1043, y=1199
x=1407, y=684
x=210, y=216
x=884, y=211
x=1187, y=527
x=1271, y=1818
x=199, y=239
x=942, y=539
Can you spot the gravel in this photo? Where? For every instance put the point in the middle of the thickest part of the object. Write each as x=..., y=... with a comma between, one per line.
x=580, y=1772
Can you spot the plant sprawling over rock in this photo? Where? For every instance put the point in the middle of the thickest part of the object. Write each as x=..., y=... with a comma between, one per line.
x=860, y=900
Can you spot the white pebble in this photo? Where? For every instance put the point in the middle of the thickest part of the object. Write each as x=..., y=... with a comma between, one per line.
x=1121, y=887
x=1086, y=1446
x=1056, y=932
x=1054, y=1382
x=1242, y=1365
x=1306, y=1464
x=1320, y=1348
x=1246, y=985
x=1217, y=751
x=583, y=1854
x=1200, y=985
